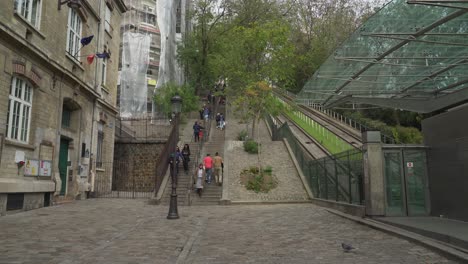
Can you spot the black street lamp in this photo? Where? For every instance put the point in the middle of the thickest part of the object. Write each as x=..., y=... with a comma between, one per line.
x=176, y=102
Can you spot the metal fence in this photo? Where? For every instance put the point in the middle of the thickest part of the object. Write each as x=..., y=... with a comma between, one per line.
x=338, y=177
x=142, y=129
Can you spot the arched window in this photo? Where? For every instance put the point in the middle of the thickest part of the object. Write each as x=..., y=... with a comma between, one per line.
x=19, y=110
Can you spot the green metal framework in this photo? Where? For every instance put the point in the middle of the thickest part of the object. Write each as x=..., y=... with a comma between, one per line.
x=411, y=55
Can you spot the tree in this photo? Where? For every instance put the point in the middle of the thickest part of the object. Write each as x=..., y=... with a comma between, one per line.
x=195, y=50
x=256, y=102
x=163, y=98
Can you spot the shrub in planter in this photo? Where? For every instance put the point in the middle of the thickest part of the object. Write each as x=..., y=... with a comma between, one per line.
x=242, y=136
x=258, y=180
x=251, y=146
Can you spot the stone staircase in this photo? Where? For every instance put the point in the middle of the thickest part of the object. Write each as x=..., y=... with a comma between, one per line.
x=211, y=192
x=184, y=181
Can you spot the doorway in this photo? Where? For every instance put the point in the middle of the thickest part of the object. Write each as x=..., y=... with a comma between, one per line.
x=63, y=164
x=406, y=185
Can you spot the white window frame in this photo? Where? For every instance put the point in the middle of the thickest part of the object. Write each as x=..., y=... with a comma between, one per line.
x=107, y=23
x=25, y=9
x=104, y=71
x=74, y=28
x=19, y=110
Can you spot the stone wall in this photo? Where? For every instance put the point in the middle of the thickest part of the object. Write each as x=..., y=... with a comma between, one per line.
x=36, y=54
x=135, y=166
x=3, y=203
x=446, y=135
x=33, y=201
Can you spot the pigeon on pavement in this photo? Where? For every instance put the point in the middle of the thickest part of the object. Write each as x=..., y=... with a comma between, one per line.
x=347, y=248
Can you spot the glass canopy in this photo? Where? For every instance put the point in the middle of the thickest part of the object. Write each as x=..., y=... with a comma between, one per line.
x=411, y=55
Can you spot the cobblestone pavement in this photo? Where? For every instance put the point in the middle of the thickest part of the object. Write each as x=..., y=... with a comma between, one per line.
x=130, y=231
x=274, y=154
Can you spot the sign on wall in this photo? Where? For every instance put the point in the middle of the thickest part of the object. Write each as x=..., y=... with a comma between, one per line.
x=38, y=168
x=31, y=167
x=45, y=168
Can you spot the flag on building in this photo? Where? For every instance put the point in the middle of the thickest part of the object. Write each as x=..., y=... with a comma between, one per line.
x=90, y=58
x=86, y=40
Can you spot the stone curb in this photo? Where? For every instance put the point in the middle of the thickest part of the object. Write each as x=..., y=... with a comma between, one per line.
x=157, y=200
x=299, y=171
x=259, y=202
x=225, y=186
x=443, y=248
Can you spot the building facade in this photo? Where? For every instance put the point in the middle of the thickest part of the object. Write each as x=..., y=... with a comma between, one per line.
x=58, y=98
x=141, y=17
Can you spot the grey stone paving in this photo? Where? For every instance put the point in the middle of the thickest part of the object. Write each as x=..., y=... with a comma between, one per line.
x=274, y=154
x=129, y=231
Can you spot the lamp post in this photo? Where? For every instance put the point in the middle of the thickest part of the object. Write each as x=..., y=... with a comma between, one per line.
x=176, y=103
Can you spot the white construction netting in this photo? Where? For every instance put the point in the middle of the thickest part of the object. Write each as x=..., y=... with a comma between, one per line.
x=133, y=84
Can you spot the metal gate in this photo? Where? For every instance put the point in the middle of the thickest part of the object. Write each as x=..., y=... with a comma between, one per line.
x=121, y=179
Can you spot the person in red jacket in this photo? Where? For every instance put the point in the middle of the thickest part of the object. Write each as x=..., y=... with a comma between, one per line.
x=208, y=163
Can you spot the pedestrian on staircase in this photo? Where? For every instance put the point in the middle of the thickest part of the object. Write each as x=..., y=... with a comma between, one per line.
x=178, y=158
x=199, y=180
x=222, y=121
x=186, y=156
x=218, y=167
x=208, y=162
x=218, y=118
x=201, y=113
x=196, y=131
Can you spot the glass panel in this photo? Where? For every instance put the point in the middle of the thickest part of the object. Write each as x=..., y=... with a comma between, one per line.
x=27, y=93
x=394, y=184
x=24, y=9
x=391, y=58
x=35, y=12
x=66, y=116
x=18, y=89
x=415, y=170
x=25, y=123
x=16, y=120
x=8, y=117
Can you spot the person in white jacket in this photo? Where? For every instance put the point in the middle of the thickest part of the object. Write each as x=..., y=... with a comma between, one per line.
x=199, y=180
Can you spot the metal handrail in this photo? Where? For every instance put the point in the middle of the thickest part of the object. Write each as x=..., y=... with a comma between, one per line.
x=198, y=154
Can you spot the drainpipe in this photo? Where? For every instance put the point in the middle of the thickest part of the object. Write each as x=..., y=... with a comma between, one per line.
x=58, y=134
x=96, y=70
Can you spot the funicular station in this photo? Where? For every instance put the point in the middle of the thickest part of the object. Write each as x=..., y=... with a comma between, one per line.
x=411, y=55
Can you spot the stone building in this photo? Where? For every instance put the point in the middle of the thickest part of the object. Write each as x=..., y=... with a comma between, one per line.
x=57, y=105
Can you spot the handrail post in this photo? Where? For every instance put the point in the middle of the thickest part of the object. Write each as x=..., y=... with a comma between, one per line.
x=336, y=180
x=326, y=178
x=349, y=179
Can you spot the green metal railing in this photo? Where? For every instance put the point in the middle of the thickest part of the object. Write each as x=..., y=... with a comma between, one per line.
x=338, y=177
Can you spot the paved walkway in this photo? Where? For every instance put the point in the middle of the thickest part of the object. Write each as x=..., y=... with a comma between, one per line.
x=130, y=231
x=272, y=153
x=447, y=230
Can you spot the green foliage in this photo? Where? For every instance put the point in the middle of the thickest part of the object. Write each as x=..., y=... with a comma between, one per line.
x=401, y=134
x=242, y=136
x=268, y=169
x=251, y=146
x=258, y=180
x=163, y=98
